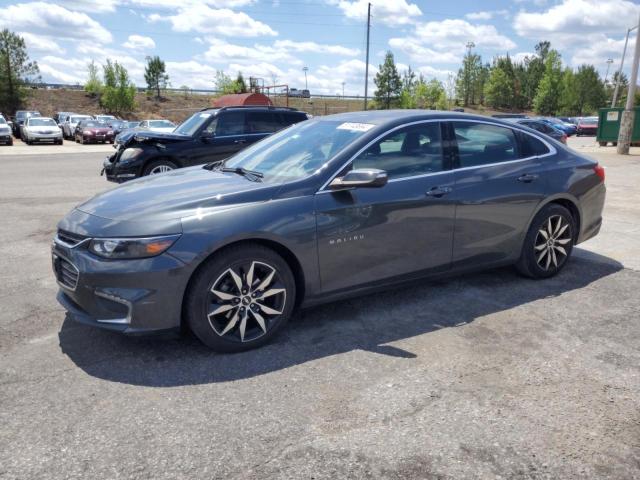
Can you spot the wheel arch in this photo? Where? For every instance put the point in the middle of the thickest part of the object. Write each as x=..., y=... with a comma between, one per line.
x=568, y=202
x=162, y=156
x=285, y=252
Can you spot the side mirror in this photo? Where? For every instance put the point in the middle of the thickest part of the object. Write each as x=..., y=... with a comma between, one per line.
x=206, y=136
x=361, y=178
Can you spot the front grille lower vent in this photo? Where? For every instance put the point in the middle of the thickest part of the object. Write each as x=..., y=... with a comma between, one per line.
x=66, y=272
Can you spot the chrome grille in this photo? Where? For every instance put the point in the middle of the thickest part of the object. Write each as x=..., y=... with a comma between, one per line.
x=66, y=272
x=70, y=239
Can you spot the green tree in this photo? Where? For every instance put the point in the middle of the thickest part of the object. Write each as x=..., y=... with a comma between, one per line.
x=547, y=99
x=569, y=97
x=155, y=75
x=388, y=83
x=430, y=95
x=589, y=90
x=93, y=86
x=119, y=92
x=407, y=92
x=469, y=79
x=499, y=90
x=16, y=71
x=240, y=84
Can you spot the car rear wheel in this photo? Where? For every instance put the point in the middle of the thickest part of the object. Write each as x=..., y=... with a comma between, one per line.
x=159, y=166
x=549, y=242
x=240, y=299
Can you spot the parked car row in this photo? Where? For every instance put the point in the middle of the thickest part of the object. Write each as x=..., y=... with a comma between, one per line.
x=31, y=127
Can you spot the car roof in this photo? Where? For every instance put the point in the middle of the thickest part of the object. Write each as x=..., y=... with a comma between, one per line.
x=384, y=117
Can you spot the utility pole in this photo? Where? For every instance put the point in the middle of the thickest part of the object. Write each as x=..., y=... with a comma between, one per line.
x=342, y=89
x=624, y=52
x=305, y=70
x=366, y=67
x=628, y=116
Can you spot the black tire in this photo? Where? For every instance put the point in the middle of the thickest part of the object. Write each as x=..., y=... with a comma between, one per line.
x=533, y=262
x=150, y=168
x=222, y=332
x=10, y=142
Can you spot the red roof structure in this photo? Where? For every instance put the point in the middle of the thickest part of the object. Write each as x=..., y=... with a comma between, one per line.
x=241, y=99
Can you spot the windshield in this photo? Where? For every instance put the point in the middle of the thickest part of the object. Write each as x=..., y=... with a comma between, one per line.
x=299, y=150
x=42, y=122
x=192, y=124
x=93, y=124
x=76, y=119
x=161, y=124
x=589, y=121
x=2, y=121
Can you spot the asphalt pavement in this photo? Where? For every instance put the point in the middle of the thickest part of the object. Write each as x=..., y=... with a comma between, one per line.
x=488, y=375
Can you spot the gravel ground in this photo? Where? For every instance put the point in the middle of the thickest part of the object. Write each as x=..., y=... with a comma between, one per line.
x=483, y=376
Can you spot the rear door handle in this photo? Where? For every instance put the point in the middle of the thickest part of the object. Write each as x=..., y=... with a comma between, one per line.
x=438, y=192
x=242, y=140
x=527, y=178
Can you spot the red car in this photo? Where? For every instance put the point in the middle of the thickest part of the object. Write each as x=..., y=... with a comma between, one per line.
x=587, y=126
x=92, y=131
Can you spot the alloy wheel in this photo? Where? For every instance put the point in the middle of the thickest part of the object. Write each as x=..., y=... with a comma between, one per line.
x=160, y=169
x=245, y=301
x=552, y=241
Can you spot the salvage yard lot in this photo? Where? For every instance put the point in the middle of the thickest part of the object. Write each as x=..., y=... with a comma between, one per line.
x=478, y=376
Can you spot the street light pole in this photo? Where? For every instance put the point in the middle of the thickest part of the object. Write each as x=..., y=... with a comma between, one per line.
x=366, y=66
x=606, y=75
x=628, y=116
x=469, y=46
x=342, y=89
x=305, y=70
x=624, y=52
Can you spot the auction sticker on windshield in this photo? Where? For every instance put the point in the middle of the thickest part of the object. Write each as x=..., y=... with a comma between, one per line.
x=356, y=127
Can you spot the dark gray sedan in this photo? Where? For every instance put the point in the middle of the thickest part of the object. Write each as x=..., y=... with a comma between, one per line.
x=325, y=209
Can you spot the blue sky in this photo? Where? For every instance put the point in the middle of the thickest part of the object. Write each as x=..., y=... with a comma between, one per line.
x=275, y=39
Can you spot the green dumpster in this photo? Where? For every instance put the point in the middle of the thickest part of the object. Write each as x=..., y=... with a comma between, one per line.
x=609, y=126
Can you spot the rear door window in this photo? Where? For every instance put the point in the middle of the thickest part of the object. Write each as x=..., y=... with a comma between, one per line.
x=484, y=144
x=230, y=123
x=530, y=146
x=262, y=122
x=289, y=118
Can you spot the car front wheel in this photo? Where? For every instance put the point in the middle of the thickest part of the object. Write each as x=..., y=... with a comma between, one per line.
x=159, y=166
x=240, y=298
x=549, y=242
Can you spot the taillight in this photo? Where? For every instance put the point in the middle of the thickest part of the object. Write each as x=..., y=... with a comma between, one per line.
x=564, y=139
x=599, y=171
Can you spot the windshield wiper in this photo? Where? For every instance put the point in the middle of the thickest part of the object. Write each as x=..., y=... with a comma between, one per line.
x=249, y=174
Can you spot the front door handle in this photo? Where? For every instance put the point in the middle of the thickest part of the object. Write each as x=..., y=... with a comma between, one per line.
x=240, y=141
x=527, y=178
x=438, y=192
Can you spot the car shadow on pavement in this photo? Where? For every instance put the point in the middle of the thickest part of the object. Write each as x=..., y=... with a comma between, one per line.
x=366, y=323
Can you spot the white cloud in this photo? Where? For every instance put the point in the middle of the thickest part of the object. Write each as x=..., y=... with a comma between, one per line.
x=221, y=51
x=430, y=72
x=203, y=19
x=191, y=73
x=521, y=56
x=479, y=15
x=454, y=34
x=387, y=12
x=90, y=6
x=600, y=48
x=313, y=47
x=43, y=44
x=50, y=19
x=58, y=75
x=577, y=17
x=418, y=52
x=139, y=42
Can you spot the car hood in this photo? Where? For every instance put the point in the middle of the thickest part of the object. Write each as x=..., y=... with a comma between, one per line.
x=146, y=136
x=43, y=129
x=181, y=193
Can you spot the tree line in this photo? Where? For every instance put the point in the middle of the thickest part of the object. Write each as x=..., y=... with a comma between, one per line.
x=539, y=82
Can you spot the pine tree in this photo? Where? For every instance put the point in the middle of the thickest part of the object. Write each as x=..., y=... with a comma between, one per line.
x=16, y=70
x=388, y=83
x=155, y=75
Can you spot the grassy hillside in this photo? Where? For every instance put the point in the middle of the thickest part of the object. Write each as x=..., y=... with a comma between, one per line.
x=177, y=106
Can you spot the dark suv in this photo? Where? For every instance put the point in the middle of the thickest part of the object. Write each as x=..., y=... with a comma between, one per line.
x=207, y=136
x=20, y=118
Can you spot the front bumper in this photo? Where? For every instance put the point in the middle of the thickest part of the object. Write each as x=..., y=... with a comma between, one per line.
x=118, y=172
x=44, y=137
x=130, y=296
x=6, y=138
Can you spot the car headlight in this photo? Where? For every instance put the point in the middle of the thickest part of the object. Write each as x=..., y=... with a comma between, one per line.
x=130, y=154
x=121, y=248
x=87, y=132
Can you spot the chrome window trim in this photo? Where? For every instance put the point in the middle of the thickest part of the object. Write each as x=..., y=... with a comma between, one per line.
x=552, y=150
